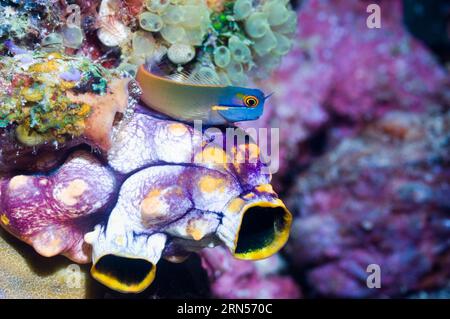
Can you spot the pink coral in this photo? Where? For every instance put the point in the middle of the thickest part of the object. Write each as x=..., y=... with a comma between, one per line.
x=232, y=278
x=341, y=69
x=378, y=198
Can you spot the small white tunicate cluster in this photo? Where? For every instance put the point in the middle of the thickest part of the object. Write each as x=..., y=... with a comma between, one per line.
x=271, y=31
x=143, y=45
x=182, y=24
x=72, y=36
x=267, y=28
x=228, y=41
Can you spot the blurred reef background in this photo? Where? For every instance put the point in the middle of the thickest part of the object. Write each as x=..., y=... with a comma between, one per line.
x=364, y=124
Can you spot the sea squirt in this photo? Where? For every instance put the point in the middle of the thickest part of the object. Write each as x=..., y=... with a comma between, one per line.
x=161, y=189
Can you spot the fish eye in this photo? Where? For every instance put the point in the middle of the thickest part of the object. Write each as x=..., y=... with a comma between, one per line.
x=251, y=101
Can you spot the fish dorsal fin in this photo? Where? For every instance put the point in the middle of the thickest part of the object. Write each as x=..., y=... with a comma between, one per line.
x=200, y=79
x=182, y=77
x=161, y=66
x=204, y=78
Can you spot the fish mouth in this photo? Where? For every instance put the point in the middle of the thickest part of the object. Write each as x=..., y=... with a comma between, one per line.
x=237, y=113
x=263, y=231
x=124, y=274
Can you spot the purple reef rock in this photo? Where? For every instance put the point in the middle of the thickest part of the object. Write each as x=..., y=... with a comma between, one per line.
x=240, y=279
x=340, y=69
x=379, y=198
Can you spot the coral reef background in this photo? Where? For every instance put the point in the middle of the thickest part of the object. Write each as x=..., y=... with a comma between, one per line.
x=363, y=119
x=363, y=115
x=364, y=123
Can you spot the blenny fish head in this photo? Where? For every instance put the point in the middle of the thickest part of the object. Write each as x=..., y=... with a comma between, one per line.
x=238, y=104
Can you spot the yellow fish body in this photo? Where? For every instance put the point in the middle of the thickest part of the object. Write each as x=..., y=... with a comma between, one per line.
x=212, y=104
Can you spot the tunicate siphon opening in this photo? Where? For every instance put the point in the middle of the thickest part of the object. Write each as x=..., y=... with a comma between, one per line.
x=128, y=275
x=264, y=230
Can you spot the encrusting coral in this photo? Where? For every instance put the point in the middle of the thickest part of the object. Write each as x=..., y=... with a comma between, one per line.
x=51, y=99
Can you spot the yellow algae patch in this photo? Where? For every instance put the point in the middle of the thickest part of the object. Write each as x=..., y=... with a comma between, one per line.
x=212, y=155
x=4, y=219
x=32, y=95
x=249, y=196
x=152, y=206
x=17, y=182
x=84, y=110
x=209, y=184
x=69, y=195
x=247, y=153
x=236, y=205
x=266, y=188
x=177, y=129
x=66, y=85
x=44, y=67
x=120, y=240
x=54, y=55
x=197, y=229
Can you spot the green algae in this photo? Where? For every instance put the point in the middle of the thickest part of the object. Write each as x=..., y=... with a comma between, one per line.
x=35, y=98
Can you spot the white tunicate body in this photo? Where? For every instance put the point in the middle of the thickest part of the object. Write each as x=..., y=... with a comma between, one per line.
x=277, y=13
x=173, y=33
x=290, y=25
x=222, y=56
x=265, y=44
x=52, y=39
x=173, y=15
x=256, y=25
x=194, y=36
x=193, y=15
x=284, y=44
x=242, y=9
x=150, y=22
x=143, y=43
x=236, y=73
x=157, y=6
x=181, y=53
x=130, y=69
x=240, y=51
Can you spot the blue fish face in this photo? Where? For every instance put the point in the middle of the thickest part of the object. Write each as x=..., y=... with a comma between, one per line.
x=241, y=104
